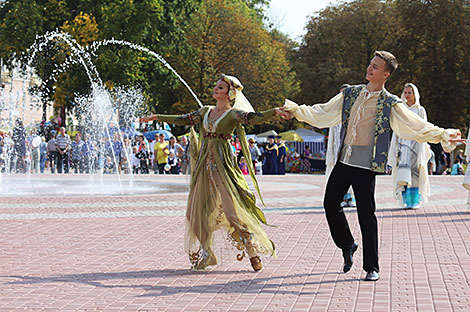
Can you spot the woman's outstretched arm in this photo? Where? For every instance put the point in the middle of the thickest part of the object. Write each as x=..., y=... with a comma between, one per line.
x=181, y=120
x=254, y=118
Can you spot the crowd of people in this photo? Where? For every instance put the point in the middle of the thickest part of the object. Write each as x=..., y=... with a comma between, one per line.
x=114, y=152
x=119, y=153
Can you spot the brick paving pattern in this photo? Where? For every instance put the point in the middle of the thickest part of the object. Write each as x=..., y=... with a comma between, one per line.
x=125, y=253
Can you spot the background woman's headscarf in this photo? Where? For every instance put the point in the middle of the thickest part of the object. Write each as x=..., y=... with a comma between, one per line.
x=415, y=92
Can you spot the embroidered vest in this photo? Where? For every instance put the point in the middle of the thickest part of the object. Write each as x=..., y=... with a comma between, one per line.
x=382, y=130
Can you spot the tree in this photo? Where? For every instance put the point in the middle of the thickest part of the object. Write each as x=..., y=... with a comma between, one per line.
x=338, y=46
x=20, y=21
x=435, y=54
x=428, y=37
x=226, y=37
x=155, y=24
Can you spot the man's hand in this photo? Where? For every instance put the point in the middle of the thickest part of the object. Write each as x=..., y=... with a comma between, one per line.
x=464, y=141
x=456, y=138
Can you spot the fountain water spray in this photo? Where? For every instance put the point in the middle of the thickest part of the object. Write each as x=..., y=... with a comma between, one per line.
x=97, y=109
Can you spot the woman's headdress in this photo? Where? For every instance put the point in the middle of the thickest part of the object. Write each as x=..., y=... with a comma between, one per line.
x=235, y=93
x=241, y=103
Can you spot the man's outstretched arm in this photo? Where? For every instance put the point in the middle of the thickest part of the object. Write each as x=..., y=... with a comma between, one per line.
x=318, y=115
x=410, y=126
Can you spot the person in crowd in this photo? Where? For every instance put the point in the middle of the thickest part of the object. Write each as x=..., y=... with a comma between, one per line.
x=76, y=153
x=270, y=157
x=173, y=162
x=152, y=158
x=161, y=153
x=457, y=168
x=367, y=114
x=18, y=154
x=52, y=153
x=306, y=164
x=460, y=157
x=281, y=156
x=219, y=196
x=87, y=154
x=42, y=155
x=143, y=155
x=34, y=140
x=232, y=146
x=117, y=149
x=109, y=166
x=432, y=163
x=409, y=159
x=445, y=162
x=243, y=166
x=7, y=150
x=238, y=148
x=175, y=148
x=254, y=151
x=135, y=161
x=62, y=143
x=126, y=151
x=185, y=155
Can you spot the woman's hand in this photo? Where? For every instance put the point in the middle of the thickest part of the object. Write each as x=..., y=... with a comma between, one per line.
x=147, y=118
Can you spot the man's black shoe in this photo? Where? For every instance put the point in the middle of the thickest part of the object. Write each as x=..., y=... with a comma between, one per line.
x=372, y=276
x=348, y=257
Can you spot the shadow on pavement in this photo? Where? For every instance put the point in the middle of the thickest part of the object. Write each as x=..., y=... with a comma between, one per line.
x=250, y=285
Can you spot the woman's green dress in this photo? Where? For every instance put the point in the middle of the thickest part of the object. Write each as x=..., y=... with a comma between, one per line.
x=219, y=196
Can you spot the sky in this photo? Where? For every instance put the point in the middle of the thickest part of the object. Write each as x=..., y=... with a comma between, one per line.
x=291, y=16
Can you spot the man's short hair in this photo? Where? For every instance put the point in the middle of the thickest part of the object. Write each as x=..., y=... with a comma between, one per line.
x=390, y=60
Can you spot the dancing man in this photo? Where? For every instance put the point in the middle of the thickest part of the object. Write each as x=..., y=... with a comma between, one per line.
x=367, y=114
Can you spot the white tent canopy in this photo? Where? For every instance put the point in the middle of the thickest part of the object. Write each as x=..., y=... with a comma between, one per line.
x=310, y=136
x=267, y=133
x=307, y=135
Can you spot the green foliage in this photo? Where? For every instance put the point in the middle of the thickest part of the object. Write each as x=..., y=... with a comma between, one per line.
x=20, y=21
x=225, y=37
x=204, y=38
x=434, y=56
x=429, y=39
x=155, y=24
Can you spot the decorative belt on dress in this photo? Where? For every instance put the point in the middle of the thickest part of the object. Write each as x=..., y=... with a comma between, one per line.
x=215, y=135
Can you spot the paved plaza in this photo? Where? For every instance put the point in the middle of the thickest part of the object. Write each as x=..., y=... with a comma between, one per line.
x=125, y=253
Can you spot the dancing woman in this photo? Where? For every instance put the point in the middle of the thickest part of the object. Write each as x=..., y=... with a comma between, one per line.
x=409, y=159
x=219, y=196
